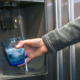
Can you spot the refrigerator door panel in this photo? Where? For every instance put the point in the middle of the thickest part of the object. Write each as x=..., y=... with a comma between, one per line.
x=66, y=64
x=77, y=14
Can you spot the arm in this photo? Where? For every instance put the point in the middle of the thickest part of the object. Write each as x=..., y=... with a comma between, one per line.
x=62, y=37
x=53, y=41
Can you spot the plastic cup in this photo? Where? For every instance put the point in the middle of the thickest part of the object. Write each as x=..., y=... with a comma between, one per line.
x=15, y=56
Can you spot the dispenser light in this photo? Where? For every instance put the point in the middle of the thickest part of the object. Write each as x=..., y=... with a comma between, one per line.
x=15, y=21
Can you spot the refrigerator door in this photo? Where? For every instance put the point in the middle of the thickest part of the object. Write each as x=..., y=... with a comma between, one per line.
x=76, y=14
x=70, y=69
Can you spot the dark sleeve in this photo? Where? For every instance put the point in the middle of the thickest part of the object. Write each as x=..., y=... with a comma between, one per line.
x=62, y=37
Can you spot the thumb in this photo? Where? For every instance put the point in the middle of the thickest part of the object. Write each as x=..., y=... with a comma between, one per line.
x=20, y=44
x=23, y=42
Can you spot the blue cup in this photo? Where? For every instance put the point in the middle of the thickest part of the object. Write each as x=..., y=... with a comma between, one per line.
x=15, y=56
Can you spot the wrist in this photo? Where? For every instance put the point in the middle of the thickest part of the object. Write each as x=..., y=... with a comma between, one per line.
x=44, y=46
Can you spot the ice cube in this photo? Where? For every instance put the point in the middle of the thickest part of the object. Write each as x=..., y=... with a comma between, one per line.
x=15, y=52
x=8, y=51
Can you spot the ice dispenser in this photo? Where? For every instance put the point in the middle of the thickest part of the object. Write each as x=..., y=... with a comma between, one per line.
x=24, y=19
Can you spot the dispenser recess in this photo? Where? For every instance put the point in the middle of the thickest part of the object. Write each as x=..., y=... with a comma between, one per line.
x=27, y=19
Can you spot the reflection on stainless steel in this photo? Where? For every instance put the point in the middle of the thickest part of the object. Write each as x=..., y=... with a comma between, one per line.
x=66, y=65
x=77, y=46
x=49, y=4
x=38, y=0
x=66, y=55
x=49, y=12
x=22, y=33
x=72, y=48
x=21, y=26
x=58, y=19
x=75, y=1
x=60, y=52
x=50, y=25
x=57, y=25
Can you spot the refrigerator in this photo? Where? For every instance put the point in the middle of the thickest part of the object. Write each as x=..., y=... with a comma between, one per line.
x=37, y=18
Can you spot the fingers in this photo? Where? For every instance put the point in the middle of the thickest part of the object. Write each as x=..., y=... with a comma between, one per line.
x=26, y=61
x=20, y=65
x=21, y=44
x=31, y=42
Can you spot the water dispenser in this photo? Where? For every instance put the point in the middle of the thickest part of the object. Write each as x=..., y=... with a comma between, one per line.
x=26, y=19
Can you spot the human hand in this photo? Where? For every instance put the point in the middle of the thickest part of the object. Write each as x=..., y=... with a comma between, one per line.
x=33, y=48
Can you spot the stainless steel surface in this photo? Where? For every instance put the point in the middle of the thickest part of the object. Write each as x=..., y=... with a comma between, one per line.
x=56, y=14
x=58, y=68
x=66, y=55
x=77, y=46
x=46, y=30
x=58, y=19
x=38, y=0
x=49, y=15
x=66, y=51
x=60, y=52
x=22, y=33
x=50, y=25
x=72, y=48
x=71, y=10
x=72, y=63
x=21, y=25
x=66, y=64
x=56, y=26
x=24, y=0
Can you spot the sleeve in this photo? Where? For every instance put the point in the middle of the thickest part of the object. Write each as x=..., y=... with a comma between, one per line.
x=62, y=37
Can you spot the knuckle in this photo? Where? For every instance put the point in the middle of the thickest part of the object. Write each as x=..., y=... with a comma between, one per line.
x=20, y=42
x=32, y=56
